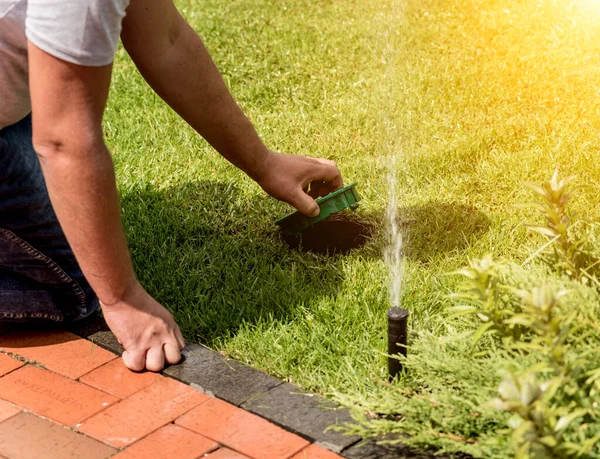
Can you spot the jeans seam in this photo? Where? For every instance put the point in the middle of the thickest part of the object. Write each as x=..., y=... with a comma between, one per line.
x=50, y=263
x=33, y=315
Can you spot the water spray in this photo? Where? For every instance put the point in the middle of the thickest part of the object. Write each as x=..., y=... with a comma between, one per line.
x=397, y=316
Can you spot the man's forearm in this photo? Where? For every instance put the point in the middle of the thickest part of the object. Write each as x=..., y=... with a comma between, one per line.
x=67, y=105
x=184, y=75
x=84, y=196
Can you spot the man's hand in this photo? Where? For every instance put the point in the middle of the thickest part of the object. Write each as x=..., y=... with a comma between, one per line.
x=298, y=180
x=146, y=330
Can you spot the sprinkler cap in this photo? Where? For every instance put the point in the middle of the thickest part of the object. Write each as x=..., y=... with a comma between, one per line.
x=330, y=204
x=396, y=313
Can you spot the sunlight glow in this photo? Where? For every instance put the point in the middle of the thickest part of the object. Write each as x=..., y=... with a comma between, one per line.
x=588, y=6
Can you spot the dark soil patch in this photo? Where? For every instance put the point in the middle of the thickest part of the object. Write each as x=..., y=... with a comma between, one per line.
x=337, y=234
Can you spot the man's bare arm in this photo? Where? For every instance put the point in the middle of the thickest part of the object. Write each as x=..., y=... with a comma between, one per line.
x=68, y=101
x=67, y=105
x=174, y=61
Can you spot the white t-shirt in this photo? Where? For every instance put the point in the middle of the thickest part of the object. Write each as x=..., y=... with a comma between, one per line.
x=84, y=32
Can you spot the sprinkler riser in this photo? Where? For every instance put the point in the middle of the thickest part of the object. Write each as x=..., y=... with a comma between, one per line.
x=397, y=329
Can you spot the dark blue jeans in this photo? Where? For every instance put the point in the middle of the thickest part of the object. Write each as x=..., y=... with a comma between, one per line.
x=40, y=280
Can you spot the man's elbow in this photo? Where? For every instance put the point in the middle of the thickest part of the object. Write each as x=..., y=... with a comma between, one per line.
x=51, y=146
x=48, y=147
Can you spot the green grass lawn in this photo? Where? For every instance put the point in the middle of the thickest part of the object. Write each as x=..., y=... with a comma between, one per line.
x=474, y=97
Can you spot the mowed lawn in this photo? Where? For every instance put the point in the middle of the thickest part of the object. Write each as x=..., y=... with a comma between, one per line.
x=474, y=97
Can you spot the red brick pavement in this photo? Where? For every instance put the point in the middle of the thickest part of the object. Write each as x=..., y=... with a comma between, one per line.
x=64, y=397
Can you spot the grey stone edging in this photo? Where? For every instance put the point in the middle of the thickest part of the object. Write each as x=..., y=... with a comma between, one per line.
x=305, y=414
x=217, y=376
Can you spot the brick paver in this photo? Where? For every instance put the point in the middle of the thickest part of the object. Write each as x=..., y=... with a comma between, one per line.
x=242, y=431
x=142, y=413
x=226, y=453
x=8, y=364
x=27, y=436
x=56, y=397
x=315, y=452
x=170, y=442
x=118, y=413
x=116, y=379
x=62, y=352
x=7, y=410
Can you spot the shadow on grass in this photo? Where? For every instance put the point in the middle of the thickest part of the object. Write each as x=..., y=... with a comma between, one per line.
x=437, y=228
x=216, y=260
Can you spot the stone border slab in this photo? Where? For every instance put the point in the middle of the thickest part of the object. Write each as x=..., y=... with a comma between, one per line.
x=219, y=376
x=306, y=414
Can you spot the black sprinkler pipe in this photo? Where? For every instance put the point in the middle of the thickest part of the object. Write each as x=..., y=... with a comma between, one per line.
x=397, y=325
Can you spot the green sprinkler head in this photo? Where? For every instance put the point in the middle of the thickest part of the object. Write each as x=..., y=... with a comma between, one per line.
x=334, y=202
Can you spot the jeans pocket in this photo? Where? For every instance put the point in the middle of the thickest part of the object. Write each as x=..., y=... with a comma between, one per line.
x=33, y=286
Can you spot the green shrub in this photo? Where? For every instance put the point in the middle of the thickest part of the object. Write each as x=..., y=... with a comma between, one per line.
x=517, y=374
x=570, y=251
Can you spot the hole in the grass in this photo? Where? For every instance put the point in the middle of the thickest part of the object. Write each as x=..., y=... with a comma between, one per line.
x=336, y=235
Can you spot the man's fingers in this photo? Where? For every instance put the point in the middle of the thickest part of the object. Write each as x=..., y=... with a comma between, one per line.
x=304, y=203
x=324, y=179
x=134, y=360
x=155, y=359
x=299, y=180
x=337, y=183
x=328, y=172
x=172, y=353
